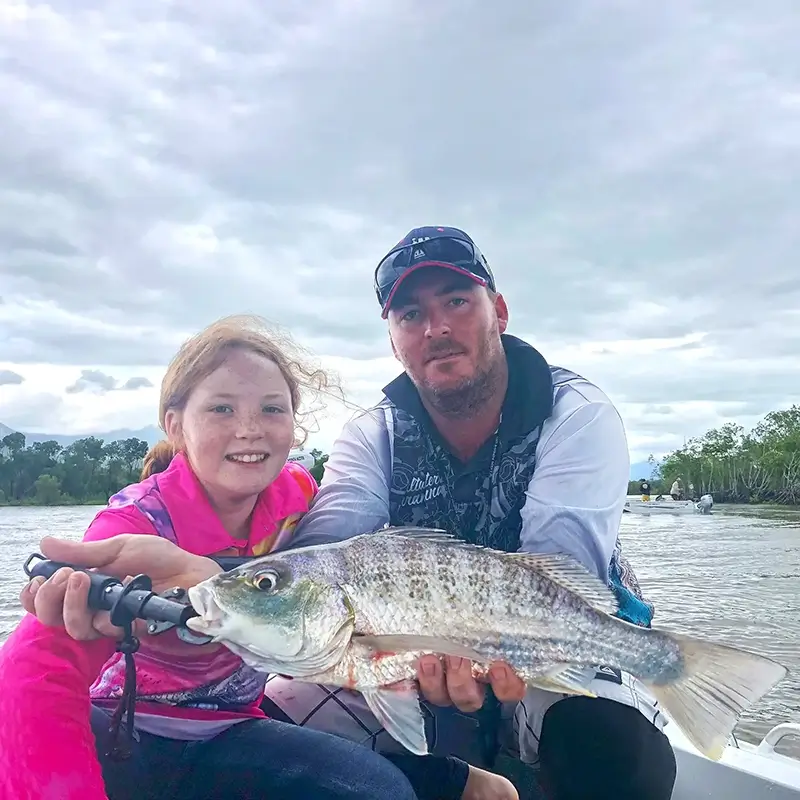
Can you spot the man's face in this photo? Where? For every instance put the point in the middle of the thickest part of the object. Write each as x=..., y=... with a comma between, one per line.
x=445, y=330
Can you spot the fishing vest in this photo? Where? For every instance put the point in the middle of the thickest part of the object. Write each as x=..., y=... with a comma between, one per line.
x=423, y=487
x=423, y=492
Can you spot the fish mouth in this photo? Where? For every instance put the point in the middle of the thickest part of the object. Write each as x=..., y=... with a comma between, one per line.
x=239, y=633
x=211, y=616
x=233, y=631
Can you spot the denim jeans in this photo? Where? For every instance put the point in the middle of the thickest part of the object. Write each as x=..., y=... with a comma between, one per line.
x=252, y=760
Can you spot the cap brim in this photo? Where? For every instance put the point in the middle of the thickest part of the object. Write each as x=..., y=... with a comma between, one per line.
x=411, y=270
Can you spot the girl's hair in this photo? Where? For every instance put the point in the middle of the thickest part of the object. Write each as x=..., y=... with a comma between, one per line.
x=206, y=351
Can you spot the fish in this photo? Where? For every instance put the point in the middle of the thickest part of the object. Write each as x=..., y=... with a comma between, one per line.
x=359, y=613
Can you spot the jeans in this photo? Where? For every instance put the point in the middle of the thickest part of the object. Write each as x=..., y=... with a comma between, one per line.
x=440, y=777
x=252, y=760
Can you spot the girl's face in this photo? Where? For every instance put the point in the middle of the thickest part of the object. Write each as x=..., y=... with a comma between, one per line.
x=237, y=427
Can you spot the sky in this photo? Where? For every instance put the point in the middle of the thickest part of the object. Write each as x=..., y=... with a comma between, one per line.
x=631, y=171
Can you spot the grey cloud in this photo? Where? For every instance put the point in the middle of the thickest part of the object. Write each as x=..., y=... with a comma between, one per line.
x=726, y=383
x=687, y=346
x=648, y=434
x=660, y=410
x=132, y=384
x=93, y=380
x=630, y=170
x=10, y=378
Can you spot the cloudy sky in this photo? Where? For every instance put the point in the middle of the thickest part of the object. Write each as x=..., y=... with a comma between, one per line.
x=630, y=169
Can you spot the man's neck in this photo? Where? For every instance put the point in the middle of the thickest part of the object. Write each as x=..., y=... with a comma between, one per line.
x=465, y=435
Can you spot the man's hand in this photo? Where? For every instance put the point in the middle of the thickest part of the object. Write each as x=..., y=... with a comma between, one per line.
x=61, y=601
x=454, y=684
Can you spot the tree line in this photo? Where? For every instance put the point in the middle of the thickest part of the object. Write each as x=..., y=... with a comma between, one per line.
x=88, y=471
x=733, y=465
x=737, y=466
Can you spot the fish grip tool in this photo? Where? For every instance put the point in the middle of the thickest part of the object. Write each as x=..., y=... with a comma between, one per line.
x=127, y=603
x=136, y=600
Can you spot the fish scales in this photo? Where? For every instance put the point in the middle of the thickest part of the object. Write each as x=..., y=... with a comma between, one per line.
x=492, y=603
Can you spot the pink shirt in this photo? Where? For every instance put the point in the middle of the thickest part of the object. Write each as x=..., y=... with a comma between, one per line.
x=47, y=748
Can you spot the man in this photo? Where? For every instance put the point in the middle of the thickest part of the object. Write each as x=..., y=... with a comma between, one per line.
x=644, y=489
x=480, y=436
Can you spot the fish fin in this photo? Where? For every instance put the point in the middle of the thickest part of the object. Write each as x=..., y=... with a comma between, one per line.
x=717, y=684
x=430, y=534
x=402, y=642
x=573, y=576
x=570, y=680
x=397, y=709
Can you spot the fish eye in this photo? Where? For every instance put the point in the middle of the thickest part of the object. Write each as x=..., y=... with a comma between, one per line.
x=266, y=581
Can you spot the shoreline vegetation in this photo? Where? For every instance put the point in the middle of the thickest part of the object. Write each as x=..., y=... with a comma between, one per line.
x=760, y=466
x=84, y=473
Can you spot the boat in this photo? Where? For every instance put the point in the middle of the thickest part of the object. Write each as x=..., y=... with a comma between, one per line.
x=302, y=456
x=666, y=505
x=745, y=771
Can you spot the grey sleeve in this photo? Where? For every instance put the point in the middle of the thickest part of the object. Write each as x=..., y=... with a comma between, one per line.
x=575, y=499
x=354, y=493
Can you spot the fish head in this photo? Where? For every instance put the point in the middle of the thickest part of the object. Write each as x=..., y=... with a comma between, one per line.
x=279, y=613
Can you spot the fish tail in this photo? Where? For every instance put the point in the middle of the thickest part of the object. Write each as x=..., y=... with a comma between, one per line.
x=717, y=684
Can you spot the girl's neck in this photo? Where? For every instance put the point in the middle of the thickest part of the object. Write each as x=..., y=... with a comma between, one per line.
x=235, y=515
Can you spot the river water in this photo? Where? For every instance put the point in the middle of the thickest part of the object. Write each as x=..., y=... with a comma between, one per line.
x=733, y=576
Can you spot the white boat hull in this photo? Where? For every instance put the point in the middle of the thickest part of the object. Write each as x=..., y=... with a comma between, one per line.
x=676, y=507
x=745, y=771
x=660, y=507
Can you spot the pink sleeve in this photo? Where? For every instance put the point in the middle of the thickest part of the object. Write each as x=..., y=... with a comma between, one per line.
x=47, y=748
x=113, y=521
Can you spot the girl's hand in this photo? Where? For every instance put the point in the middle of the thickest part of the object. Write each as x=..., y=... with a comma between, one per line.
x=61, y=600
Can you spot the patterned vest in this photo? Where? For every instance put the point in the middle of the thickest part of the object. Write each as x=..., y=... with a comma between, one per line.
x=423, y=493
x=422, y=490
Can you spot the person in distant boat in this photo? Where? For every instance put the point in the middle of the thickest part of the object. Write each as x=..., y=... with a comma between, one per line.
x=481, y=436
x=644, y=490
x=676, y=492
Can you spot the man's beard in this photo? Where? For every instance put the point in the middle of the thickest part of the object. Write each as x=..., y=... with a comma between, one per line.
x=471, y=396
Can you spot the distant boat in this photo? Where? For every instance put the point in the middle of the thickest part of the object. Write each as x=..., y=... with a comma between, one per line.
x=302, y=457
x=667, y=505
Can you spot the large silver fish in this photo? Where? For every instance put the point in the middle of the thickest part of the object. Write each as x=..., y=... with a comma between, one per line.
x=359, y=613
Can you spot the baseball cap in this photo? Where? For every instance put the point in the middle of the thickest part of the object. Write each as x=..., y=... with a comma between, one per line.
x=430, y=246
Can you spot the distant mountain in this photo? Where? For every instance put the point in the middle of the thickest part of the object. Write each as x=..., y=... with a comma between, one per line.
x=151, y=434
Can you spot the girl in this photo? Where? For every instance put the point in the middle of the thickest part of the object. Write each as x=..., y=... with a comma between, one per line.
x=220, y=485
x=229, y=403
